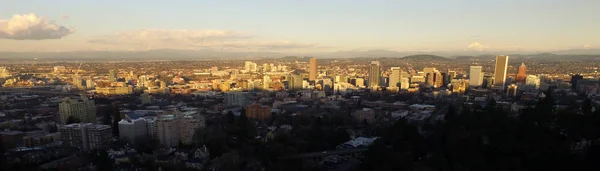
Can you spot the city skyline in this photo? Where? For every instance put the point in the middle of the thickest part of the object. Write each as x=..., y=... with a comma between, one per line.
x=269, y=26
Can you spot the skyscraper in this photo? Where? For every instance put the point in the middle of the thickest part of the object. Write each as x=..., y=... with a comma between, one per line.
x=266, y=82
x=521, y=76
x=532, y=81
x=313, y=69
x=82, y=109
x=295, y=82
x=395, y=77
x=475, y=76
x=500, y=71
x=374, y=74
x=112, y=75
x=512, y=90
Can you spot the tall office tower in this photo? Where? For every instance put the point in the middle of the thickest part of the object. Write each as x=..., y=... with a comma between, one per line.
x=313, y=69
x=89, y=84
x=266, y=82
x=241, y=99
x=294, y=81
x=395, y=77
x=404, y=83
x=374, y=74
x=427, y=70
x=82, y=109
x=359, y=82
x=112, y=75
x=438, y=79
x=512, y=90
x=266, y=68
x=475, y=76
x=521, y=76
x=500, y=71
x=77, y=81
x=488, y=81
x=532, y=81
x=574, y=79
x=86, y=136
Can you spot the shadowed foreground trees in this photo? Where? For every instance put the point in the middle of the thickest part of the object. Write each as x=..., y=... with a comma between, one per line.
x=489, y=139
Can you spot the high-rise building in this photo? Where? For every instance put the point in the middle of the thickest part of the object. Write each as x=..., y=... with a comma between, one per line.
x=359, y=82
x=475, y=76
x=488, y=81
x=132, y=129
x=374, y=74
x=451, y=74
x=532, y=81
x=86, y=136
x=435, y=78
x=395, y=77
x=266, y=82
x=237, y=98
x=77, y=81
x=250, y=66
x=4, y=72
x=500, y=71
x=427, y=70
x=512, y=90
x=574, y=79
x=404, y=83
x=294, y=81
x=112, y=75
x=521, y=76
x=459, y=85
x=89, y=84
x=313, y=69
x=178, y=127
x=167, y=130
x=81, y=109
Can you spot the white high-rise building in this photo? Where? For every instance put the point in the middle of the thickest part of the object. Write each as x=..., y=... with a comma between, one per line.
x=267, y=82
x=86, y=136
x=395, y=77
x=4, y=72
x=532, y=81
x=241, y=99
x=82, y=109
x=89, y=84
x=250, y=66
x=404, y=83
x=476, y=76
x=133, y=129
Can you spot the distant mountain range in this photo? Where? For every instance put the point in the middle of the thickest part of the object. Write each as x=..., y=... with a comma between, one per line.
x=170, y=54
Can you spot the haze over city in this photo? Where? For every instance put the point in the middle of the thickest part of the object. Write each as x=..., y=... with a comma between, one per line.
x=300, y=27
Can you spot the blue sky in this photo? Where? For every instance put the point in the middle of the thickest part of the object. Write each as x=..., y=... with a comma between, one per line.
x=308, y=25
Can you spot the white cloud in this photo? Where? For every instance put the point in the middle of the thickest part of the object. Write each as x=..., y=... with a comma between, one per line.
x=190, y=39
x=587, y=46
x=31, y=27
x=477, y=46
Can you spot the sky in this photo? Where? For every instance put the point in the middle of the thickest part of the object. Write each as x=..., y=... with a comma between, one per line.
x=299, y=26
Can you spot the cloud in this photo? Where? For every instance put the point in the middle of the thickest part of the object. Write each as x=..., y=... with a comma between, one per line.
x=587, y=46
x=477, y=46
x=31, y=27
x=190, y=39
